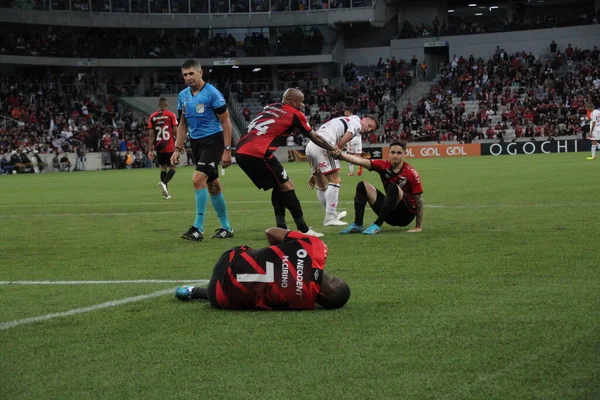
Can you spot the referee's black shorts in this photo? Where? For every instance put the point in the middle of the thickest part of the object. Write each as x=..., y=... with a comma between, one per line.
x=207, y=153
x=265, y=173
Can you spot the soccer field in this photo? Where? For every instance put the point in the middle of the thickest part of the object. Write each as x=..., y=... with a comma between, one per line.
x=497, y=298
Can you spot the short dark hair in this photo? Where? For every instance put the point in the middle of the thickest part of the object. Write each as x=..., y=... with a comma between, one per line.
x=400, y=143
x=337, y=297
x=191, y=63
x=162, y=99
x=374, y=118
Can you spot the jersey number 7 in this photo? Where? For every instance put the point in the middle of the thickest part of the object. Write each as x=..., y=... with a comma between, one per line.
x=267, y=277
x=261, y=127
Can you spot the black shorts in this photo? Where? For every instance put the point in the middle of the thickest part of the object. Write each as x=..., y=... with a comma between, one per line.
x=402, y=215
x=265, y=173
x=206, y=154
x=164, y=158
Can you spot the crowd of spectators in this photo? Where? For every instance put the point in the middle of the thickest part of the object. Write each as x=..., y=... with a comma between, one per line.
x=465, y=26
x=48, y=115
x=514, y=96
x=57, y=41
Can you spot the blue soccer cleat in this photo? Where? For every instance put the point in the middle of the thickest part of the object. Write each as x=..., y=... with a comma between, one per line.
x=373, y=229
x=353, y=228
x=184, y=293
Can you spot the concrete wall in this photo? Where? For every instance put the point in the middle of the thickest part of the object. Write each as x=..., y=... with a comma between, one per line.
x=180, y=21
x=538, y=41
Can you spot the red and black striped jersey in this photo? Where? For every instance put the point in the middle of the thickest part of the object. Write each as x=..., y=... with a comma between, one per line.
x=164, y=124
x=270, y=129
x=407, y=178
x=284, y=276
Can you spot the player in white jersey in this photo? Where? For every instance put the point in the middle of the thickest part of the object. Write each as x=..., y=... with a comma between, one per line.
x=353, y=147
x=325, y=169
x=594, y=135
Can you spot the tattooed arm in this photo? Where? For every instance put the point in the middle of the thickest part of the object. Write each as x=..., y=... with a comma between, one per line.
x=419, y=203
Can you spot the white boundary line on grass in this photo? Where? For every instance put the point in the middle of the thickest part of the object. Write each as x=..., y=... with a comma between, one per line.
x=76, y=311
x=103, y=282
x=455, y=206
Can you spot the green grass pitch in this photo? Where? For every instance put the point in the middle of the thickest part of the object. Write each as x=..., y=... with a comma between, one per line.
x=497, y=298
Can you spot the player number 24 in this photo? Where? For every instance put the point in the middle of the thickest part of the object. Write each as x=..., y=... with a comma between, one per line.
x=162, y=133
x=267, y=277
x=261, y=127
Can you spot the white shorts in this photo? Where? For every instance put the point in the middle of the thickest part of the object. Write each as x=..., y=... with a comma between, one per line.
x=595, y=135
x=321, y=162
x=354, y=146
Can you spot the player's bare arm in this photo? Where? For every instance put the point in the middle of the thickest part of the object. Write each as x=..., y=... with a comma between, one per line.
x=275, y=235
x=319, y=141
x=419, y=204
x=356, y=160
x=151, y=144
x=344, y=140
x=226, y=123
x=180, y=140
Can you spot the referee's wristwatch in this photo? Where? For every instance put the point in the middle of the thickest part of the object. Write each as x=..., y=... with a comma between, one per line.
x=228, y=148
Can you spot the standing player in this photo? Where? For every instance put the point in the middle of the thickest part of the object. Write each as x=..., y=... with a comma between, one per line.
x=254, y=154
x=402, y=201
x=353, y=147
x=326, y=169
x=203, y=114
x=161, y=126
x=287, y=275
x=594, y=135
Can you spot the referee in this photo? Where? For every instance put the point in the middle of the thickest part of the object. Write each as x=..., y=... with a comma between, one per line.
x=204, y=116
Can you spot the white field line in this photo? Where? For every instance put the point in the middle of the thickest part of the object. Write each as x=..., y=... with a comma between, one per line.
x=76, y=311
x=128, y=281
x=457, y=206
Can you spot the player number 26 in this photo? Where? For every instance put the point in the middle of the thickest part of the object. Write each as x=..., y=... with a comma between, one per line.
x=267, y=277
x=162, y=133
x=261, y=127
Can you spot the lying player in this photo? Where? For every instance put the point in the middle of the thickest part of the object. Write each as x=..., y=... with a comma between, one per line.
x=288, y=275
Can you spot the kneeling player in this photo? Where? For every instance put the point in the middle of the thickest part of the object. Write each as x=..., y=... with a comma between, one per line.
x=402, y=201
x=287, y=275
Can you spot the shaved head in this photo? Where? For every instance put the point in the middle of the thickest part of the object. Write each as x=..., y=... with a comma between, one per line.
x=292, y=95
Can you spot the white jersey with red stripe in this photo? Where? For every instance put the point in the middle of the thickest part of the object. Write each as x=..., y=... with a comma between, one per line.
x=333, y=130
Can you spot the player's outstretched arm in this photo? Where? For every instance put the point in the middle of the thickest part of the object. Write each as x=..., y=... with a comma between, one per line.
x=418, y=225
x=344, y=140
x=275, y=235
x=180, y=141
x=319, y=141
x=356, y=160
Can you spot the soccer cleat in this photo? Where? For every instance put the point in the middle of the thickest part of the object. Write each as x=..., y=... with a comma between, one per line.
x=193, y=234
x=164, y=190
x=374, y=229
x=350, y=173
x=222, y=233
x=311, y=232
x=168, y=197
x=184, y=293
x=591, y=158
x=353, y=228
x=340, y=215
x=334, y=222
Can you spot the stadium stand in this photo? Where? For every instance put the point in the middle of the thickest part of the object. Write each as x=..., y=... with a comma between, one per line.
x=76, y=104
